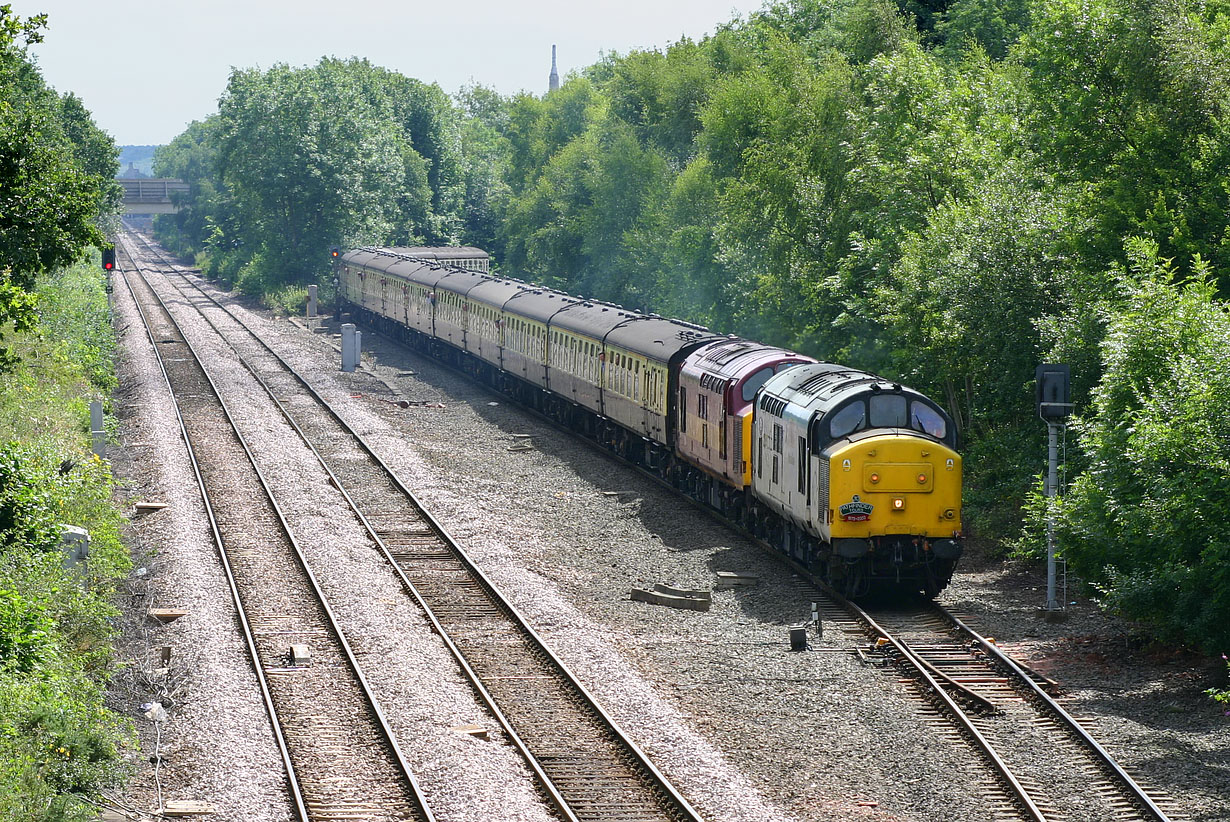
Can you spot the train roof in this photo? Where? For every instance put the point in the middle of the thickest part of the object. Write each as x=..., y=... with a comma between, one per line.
x=539, y=304
x=461, y=252
x=821, y=385
x=734, y=357
x=461, y=281
x=592, y=319
x=495, y=291
x=379, y=259
x=368, y=258
x=658, y=338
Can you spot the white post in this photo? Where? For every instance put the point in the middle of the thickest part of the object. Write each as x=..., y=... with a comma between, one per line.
x=350, y=347
x=311, y=305
x=97, y=432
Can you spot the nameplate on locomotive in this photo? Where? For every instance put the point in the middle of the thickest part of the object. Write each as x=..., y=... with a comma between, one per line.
x=856, y=511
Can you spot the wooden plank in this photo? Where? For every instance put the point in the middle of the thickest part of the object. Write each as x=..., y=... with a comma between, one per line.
x=187, y=807
x=658, y=598
x=165, y=615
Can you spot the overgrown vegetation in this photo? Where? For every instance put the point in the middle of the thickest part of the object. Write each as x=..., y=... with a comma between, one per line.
x=58, y=743
x=944, y=192
x=57, y=740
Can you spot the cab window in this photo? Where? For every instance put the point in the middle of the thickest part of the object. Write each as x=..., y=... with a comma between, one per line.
x=848, y=420
x=755, y=381
x=926, y=419
x=888, y=411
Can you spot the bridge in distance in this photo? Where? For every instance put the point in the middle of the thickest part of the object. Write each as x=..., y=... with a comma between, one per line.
x=152, y=195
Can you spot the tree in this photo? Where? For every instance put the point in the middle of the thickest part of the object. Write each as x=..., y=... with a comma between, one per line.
x=56, y=176
x=309, y=162
x=1130, y=97
x=1145, y=522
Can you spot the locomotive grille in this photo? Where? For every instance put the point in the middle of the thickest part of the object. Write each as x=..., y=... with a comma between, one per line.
x=739, y=443
x=822, y=488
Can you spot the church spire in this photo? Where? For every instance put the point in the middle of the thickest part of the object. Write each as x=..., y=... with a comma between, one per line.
x=553, y=80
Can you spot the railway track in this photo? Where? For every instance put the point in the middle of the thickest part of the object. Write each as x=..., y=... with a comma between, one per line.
x=585, y=765
x=1006, y=713
x=341, y=757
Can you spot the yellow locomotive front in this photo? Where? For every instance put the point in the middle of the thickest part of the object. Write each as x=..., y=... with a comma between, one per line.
x=865, y=473
x=895, y=500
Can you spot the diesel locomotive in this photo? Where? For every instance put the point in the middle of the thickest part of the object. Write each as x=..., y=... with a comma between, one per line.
x=856, y=477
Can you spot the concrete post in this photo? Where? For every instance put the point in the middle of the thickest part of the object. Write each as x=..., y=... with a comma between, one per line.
x=97, y=431
x=351, y=346
x=75, y=543
x=311, y=306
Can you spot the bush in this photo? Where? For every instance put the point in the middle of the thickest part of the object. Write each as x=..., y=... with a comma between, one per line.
x=1145, y=522
x=1221, y=695
x=288, y=300
x=57, y=739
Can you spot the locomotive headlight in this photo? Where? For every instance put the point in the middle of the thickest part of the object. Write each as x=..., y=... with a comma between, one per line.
x=874, y=478
x=898, y=503
x=922, y=479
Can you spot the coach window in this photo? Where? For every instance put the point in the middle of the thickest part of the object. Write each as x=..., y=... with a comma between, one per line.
x=848, y=420
x=888, y=411
x=926, y=419
x=754, y=382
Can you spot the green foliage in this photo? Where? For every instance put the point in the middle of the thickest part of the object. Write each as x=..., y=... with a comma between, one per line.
x=56, y=170
x=290, y=300
x=206, y=217
x=1221, y=695
x=27, y=510
x=74, y=313
x=309, y=162
x=56, y=624
x=57, y=741
x=1130, y=97
x=1145, y=522
x=994, y=26
x=25, y=633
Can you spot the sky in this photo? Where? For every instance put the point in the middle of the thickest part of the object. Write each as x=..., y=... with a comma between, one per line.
x=147, y=69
